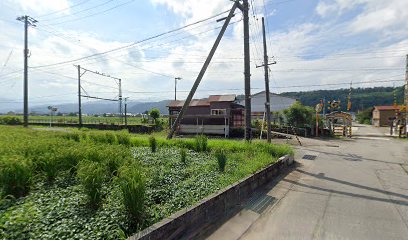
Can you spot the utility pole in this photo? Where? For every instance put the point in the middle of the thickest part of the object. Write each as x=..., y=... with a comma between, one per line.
x=268, y=101
x=126, y=111
x=406, y=97
x=247, y=71
x=175, y=87
x=28, y=21
x=203, y=69
x=79, y=97
x=120, y=100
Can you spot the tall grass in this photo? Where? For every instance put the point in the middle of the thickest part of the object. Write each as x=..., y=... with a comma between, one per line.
x=92, y=175
x=49, y=165
x=15, y=175
x=123, y=137
x=221, y=160
x=201, y=143
x=153, y=143
x=183, y=155
x=132, y=185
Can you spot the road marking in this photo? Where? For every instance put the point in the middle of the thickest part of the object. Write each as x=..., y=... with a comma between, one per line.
x=373, y=138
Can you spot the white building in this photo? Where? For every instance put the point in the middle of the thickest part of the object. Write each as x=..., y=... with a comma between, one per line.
x=278, y=103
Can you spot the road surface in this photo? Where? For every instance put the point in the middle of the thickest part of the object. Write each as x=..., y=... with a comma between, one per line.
x=340, y=189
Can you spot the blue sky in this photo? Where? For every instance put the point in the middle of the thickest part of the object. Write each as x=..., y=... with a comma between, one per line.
x=316, y=43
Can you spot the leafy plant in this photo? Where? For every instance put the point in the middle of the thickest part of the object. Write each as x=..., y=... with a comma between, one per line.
x=92, y=175
x=123, y=138
x=201, y=143
x=183, y=155
x=110, y=137
x=132, y=186
x=15, y=175
x=153, y=143
x=221, y=160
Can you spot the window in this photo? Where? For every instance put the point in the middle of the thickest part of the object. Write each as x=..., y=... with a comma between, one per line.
x=218, y=111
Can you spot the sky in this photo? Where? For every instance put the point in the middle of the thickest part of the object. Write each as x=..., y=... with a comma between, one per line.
x=317, y=44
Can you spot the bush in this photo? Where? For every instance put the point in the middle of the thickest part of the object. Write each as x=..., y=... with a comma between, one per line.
x=15, y=175
x=201, y=143
x=153, y=143
x=10, y=120
x=132, y=186
x=183, y=155
x=92, y=175
x=48, y=164
x=221, y=160
x=123, y=138
x=110, y=138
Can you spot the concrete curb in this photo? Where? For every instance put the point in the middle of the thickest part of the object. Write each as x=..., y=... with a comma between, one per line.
x=212, y=207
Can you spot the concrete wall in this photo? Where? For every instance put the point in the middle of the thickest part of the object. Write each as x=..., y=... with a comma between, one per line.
x=278, y=103
x=213, y=207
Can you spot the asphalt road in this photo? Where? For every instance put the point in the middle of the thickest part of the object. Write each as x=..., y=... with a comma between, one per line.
x=346, y=189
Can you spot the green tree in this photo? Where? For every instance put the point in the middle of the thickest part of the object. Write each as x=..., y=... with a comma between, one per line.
x=155, y=114
x=298, y=115
x=364, y=117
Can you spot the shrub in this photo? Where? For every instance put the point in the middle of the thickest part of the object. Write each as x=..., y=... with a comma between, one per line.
x=48, y=164
x=153, y=143
x=10, y=120
x=183, y=155
x=15, y=175
x=132, y=186
x=201, y=143
x=110, y=137
x=221, y=160
x=92, y=175
x=123, y=138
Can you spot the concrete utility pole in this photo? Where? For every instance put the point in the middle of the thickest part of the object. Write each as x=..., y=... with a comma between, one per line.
x=247, y=71
x=202, y=71
x=268, y=101
x=406, y=97
x=175, y=87
x=79, y=97
x=28, y=21
x=120, y=100
x=126, y=111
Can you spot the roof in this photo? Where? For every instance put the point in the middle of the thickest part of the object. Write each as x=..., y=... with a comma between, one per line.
x=204, y=101
x=385, y=108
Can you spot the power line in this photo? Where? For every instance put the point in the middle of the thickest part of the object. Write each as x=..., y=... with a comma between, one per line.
x=130, y=45
x=64, y=9
x=97, y=13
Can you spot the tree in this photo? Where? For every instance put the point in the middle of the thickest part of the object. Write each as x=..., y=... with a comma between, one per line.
x=298, y=115
x=155, y=114
x=364, y=117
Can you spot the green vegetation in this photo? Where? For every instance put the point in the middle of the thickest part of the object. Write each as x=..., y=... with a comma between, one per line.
x=153, y=143
x=364, y=117
x=361, y=98
x=298, y=115
x=108, y=185
x=183, y=155
x=221, y=160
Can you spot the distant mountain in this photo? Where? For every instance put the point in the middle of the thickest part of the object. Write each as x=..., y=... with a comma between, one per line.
x=98, y=107
x=361, y=98
x=146, y=106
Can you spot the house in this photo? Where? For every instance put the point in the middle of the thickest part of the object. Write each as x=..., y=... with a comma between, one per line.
x=217, y=114
x=277, y=103
x=382, y=115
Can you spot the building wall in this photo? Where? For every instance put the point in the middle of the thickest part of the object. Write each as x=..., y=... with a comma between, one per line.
x=381, y=118
x=278, y=103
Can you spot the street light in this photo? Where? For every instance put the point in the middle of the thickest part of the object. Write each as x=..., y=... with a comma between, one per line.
x=52, y=109
x=175, y=87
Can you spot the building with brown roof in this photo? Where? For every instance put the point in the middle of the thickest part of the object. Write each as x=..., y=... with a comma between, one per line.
x=217, y=114
x=384, y=115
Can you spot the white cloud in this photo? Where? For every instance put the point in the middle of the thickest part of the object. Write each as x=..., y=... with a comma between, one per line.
x=42, y=6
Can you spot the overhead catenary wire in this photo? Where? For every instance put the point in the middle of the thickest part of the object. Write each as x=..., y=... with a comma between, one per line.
x=130, y=45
